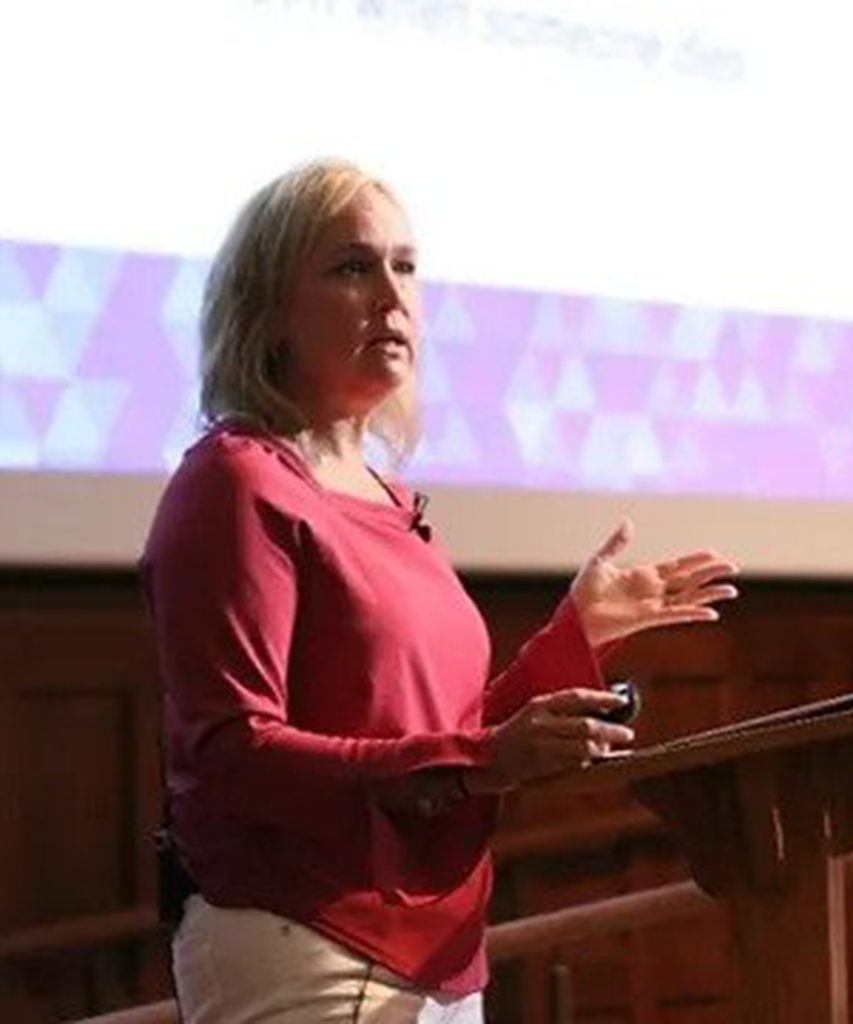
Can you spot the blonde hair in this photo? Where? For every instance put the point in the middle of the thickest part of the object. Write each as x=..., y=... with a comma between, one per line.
x=241, y=374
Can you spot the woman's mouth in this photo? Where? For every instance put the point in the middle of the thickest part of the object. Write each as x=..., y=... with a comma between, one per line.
x=391, y=340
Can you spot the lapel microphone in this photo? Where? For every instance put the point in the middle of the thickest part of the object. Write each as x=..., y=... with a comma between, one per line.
x=418, y=525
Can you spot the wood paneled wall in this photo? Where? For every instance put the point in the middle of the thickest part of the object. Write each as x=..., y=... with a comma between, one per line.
x=79, y=791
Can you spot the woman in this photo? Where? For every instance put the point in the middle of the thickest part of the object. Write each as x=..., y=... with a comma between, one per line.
x=333, y=748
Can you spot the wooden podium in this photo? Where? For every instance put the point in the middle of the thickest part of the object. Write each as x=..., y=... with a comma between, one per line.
x=764, y=809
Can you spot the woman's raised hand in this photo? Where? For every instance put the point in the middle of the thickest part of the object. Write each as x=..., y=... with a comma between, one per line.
x=614, y=602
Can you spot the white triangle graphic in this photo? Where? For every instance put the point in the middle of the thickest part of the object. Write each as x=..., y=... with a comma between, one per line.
x=665, y=396
x=19, y=442
x=73, y=439
x=14, y=285
x=688, y=459
x=552, y=452
x=527, y=383
x=432, y=380
x=615, y=326
x=27, y=345
x=603, y=460
x=750, y=402
x=182, y=304
x=81, y=426
x=750, y=329
x=709, y=402
x=643, y=452
x=105, y=399
x=72, y=331
x=101, y=269
x=184, y=341
x=695, y=334
x=815, y=348
x=423, y=457
x=530, y=423
x=452, y=322
x=574, y=388
x=457, y=446
x=550, y=329
x=69, y=290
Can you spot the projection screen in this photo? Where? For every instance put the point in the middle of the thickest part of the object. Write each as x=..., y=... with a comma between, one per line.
x=634, y=222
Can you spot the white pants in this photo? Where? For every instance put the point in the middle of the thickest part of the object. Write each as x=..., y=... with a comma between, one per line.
x=250, y=966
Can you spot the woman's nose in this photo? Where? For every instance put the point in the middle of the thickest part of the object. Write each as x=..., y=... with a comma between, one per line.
x=388, y=293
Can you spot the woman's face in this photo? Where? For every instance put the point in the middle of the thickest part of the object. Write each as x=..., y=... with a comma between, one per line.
x=352, y=314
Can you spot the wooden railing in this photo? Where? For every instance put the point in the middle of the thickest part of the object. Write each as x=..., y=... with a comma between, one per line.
x=153, y=1013
x=86, y=931
x=568, y=838
x=507, y=941
x=514, y=939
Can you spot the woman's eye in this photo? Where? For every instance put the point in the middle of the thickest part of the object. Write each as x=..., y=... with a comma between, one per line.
x=352, y=268
x=406, y=267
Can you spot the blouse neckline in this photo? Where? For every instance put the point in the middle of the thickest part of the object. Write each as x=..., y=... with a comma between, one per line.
x=400, y=509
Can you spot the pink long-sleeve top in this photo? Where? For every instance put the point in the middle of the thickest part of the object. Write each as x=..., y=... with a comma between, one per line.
x=312, y=643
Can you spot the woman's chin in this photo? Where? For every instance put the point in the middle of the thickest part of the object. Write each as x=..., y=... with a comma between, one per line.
x=391, y=374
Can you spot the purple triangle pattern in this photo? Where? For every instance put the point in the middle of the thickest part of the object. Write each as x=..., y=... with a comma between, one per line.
x=37, y=262
x=556, y=392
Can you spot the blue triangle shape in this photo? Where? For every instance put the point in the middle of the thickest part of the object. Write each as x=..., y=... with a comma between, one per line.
x=433, y=382
x=527, y=382
x=815, y=348
x=69, y=290
x=452, y=322
x=100, y=268
x=183, y=339
x=182, y=304
x=695, y=334
x=750, y=402
x=643, y=451
x=529, y=423
x=19, y=441
x=71, y=331
x=81, y=427
x=602, y=458
x=616, y=326
x=574, y=390
x=27, y=344
x=550, y=329
x=14, y=285
x=457, y=445
x=709, y=402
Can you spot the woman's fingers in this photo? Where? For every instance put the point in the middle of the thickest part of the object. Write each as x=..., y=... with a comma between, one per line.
x=707, y=595
x=617, y=541
x=683, y=565
x=555, y=756
x=567, y=733
x=698, y=577
x=680, y=615
x=578, y=701
x=561, y=753
x=554, y=732
x=584, y=729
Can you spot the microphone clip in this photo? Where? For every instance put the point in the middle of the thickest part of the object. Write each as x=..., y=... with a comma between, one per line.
x=418, y=524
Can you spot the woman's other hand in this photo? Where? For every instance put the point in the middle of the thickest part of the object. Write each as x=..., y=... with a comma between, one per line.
x=553, y=733
x=550, y=734
x=613, y=602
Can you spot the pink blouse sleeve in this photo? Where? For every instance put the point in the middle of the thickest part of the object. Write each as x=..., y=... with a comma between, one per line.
x=558, y=657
